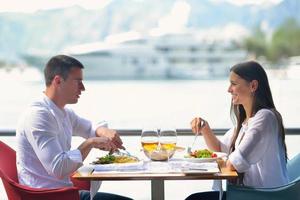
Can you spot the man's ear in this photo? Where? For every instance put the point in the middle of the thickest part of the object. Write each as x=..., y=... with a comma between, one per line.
x=56, y=80
x=254, y=85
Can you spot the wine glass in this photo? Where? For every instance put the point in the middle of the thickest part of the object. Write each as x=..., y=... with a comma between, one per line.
x=149, y=140
x=167, y=140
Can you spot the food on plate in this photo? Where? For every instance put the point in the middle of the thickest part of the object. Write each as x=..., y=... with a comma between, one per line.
x=110, y=159
x=159, y=155
x=204, y=153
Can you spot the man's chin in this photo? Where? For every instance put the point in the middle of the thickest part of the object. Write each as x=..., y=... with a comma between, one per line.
x=73, y=101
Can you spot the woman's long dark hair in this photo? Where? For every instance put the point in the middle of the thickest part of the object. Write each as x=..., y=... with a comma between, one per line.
x=250, y=71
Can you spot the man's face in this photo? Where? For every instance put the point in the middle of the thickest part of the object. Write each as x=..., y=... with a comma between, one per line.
x=71, y=87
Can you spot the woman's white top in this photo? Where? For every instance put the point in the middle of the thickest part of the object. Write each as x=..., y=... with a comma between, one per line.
x=260, y=152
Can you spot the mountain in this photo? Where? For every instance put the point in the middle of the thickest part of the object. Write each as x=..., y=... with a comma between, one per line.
x=52, y=30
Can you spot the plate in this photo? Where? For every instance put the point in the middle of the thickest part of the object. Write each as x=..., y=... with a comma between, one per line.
x=119, y=166
x=219, y=155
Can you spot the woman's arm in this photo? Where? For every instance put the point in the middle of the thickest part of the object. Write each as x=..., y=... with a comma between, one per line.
x=211, y=140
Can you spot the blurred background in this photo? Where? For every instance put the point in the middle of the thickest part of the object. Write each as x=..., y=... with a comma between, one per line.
x=150, y=62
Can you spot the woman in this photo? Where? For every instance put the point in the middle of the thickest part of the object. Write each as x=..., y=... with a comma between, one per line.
x=256, y=143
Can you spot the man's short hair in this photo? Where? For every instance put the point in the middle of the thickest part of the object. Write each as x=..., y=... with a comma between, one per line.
x=60, y=65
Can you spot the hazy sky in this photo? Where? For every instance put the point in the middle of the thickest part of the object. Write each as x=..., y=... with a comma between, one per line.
x=34, y=5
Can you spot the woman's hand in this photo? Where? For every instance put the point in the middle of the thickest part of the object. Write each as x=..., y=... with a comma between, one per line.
x=229, y=165
x=197, y=124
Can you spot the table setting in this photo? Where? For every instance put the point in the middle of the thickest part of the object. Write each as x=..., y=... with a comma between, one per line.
x=163, y=160
x=162, y=155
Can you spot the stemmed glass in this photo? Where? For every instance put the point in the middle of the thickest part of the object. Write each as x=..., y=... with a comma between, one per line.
x=149, y=140
x=168, y=139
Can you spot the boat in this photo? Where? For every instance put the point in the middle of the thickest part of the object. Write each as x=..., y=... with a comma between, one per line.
x=127, y=60
x=168, y=56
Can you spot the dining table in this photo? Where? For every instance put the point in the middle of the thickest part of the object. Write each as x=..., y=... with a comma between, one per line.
x=157, y=178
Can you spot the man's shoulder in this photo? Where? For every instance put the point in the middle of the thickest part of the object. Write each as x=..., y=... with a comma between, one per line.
x=39, y=104
x=36, y=112
x=37, y=108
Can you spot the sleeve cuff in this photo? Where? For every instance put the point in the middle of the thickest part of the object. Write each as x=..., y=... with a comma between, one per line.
x=99, y=124
x=224, y=147
x=75, y=155
x=237, y=160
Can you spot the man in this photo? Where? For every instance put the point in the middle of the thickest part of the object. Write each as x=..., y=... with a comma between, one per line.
x=44, y=133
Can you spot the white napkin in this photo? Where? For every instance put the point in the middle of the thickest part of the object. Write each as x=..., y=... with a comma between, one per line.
x=205, y=165
x=85, y=169
x=95, y=185
x=209, y=167
x=120, y=166
x=217, y=186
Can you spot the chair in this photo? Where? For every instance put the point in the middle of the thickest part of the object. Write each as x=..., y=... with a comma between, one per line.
x=16, y=191
x=290, y=191
x=293, y=168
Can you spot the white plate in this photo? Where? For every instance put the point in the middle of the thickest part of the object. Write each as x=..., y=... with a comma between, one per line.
x=219, y=155
x=119, y=166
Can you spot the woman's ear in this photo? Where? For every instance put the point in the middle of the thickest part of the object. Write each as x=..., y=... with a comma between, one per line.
x=254, y=85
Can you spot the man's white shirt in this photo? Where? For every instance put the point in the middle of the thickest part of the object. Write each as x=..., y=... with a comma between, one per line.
x=44, y=155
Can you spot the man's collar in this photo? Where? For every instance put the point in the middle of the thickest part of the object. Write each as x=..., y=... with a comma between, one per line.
x=61, y=112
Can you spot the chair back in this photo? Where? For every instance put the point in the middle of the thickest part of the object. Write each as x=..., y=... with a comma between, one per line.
x=290, y=191
x=8, y=170
x=293, y=168
x=8, y=162
x=16, y=191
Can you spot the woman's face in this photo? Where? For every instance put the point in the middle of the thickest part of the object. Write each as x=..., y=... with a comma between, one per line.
x=240, y=90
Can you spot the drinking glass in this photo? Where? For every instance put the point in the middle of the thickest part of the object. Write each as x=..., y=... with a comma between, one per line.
x=149, y=140
x=167, y=140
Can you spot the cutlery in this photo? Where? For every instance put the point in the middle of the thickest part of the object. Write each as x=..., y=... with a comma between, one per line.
x=189, y=149
x=197, y=169
x=123, y=152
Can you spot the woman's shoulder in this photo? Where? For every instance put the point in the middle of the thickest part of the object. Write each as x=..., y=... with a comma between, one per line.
x=265, y=114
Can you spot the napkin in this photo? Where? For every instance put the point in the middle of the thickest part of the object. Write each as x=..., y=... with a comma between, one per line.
x=85, y=169
x=209, y=167
x=95, y=185
x=120, y=167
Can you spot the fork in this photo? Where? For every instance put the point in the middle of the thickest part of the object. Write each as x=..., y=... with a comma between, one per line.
x=124, y=152
x=189, y=149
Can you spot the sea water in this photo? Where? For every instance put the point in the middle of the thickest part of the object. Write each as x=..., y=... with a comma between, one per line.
x=137, y=104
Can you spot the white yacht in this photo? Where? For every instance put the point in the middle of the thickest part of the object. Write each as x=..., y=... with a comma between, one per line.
x=135, y=59
x=169, y=56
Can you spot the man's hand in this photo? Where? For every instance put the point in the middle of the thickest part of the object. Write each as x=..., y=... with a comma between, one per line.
x=103, y=143
x=112, y=135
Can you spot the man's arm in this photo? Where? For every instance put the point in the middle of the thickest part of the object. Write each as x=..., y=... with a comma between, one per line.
x=102, y=143
x=112, y=135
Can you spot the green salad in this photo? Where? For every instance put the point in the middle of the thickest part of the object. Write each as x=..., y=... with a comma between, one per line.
x=204, y=153
x=108, y=159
